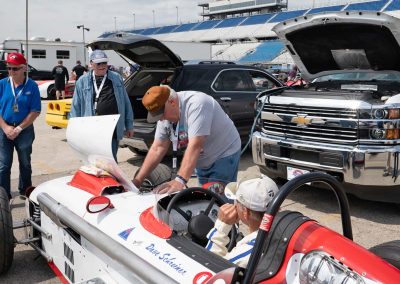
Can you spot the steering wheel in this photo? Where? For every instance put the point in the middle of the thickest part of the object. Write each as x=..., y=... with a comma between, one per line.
x=201, y=224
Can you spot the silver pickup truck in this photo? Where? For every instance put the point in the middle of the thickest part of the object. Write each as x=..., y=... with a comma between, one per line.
x=346, y=121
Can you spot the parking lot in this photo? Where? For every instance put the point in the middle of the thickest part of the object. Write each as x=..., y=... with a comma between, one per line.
x=373, y=222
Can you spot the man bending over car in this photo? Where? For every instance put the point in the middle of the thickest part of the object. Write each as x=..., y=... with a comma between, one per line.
x=251, y=200
x=198, y=121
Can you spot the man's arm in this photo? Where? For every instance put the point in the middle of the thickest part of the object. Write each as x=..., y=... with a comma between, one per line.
x=218, y=236
x=29, y=119
x=128, y=112
x=7, y=129
x=156, y=153
x=188, y=164
x=76, y=98
x=66, y=74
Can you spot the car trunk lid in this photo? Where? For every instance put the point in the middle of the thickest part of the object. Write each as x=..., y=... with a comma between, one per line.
x=145, y=51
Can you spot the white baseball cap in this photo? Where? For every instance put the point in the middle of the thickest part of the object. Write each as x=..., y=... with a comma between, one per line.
x=98, y=56
x=254, y=194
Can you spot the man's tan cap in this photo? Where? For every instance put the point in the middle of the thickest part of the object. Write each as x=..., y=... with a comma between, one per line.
x=154, y=101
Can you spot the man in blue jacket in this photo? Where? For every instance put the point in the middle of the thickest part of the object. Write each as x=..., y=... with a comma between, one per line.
x=102, y=92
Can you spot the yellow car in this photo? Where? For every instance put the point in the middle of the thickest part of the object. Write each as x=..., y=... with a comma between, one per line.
x=57, y=113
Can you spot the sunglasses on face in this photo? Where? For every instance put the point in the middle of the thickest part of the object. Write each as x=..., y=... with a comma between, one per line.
x=13, y=68
x=101, y=63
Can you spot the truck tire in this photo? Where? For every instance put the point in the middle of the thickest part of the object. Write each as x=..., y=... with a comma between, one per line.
x=6, y=233
x=162, y=173
x=389, y=251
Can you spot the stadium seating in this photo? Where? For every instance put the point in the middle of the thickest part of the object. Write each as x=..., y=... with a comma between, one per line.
x=250, y=38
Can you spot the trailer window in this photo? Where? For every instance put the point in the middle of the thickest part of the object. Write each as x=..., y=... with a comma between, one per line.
x=62, y=54
x=38, y=53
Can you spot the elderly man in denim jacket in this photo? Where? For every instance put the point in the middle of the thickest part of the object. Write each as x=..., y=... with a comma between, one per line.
x=102, y=92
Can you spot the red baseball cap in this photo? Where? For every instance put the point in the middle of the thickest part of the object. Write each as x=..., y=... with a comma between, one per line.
x=16, y=58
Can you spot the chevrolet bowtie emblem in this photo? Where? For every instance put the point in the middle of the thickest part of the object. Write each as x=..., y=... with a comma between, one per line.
x=301, y=120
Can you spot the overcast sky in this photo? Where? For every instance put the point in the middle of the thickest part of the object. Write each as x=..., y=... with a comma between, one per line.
x=59, y=18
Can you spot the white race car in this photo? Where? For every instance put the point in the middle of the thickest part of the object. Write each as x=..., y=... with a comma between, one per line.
x=97, y=227
x=47, y=91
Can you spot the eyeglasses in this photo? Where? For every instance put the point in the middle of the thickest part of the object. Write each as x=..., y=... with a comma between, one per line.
x=14, y=68
x=101, y=63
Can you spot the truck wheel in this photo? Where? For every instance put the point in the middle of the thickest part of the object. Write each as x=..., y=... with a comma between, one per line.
x=6, y=233
x=389, y=251
x=162, y=173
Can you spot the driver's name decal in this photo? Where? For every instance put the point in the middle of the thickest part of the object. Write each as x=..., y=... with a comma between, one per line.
x=167, y=258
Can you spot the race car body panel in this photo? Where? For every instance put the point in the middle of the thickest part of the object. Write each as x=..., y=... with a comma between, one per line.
x=121, y=223
x=350, y=257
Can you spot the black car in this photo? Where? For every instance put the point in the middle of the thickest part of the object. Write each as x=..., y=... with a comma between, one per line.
x=233, y=86
x=33, y=72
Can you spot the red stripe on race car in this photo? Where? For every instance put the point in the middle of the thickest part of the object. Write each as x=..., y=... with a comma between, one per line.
x=57, y=272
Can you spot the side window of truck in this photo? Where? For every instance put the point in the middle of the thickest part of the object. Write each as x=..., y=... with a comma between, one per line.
x=262, y=80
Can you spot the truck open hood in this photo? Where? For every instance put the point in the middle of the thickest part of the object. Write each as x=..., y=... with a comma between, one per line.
x=145, y=51
x=342, y=42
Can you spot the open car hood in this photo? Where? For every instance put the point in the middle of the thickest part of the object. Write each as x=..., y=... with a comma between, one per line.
x=342, y=42
x=145, y=51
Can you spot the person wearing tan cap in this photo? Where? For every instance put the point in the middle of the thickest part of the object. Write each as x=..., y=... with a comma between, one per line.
x=195, y=121
x=251, y=199
x=19, y=107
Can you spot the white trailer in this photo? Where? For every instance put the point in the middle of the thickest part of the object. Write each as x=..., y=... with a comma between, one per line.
x=44, y=54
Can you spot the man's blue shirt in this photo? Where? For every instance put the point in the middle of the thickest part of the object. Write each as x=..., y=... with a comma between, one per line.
x=28, y=101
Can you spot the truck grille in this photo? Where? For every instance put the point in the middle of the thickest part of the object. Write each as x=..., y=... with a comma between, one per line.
x=334, y=133
x=311, y=111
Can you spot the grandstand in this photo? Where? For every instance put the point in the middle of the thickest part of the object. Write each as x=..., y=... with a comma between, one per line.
x=248, y=38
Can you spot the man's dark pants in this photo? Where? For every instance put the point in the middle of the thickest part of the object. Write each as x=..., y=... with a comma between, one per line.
x=23, y=146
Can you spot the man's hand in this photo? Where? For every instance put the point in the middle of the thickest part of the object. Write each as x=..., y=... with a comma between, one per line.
x=8, y=131
x=228, y=214
x=129, y=133
x=136, y=182
x=169, y=187
x=16, y=131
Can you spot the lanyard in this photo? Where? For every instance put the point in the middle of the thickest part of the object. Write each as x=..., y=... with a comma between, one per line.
x=98, y=90
x=173, y=136
x=13, y=90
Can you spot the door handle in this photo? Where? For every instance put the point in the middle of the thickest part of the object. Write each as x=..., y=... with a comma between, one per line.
x=226, y=99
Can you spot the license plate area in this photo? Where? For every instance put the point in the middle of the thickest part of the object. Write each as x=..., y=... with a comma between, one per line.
x=292, y=172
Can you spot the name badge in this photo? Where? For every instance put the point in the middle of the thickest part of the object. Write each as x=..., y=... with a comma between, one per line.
x=15, y=107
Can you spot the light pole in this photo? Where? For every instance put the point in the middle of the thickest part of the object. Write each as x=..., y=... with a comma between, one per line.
x=177, y=15
x=154, y=20
x=115, y=24
x=83, y=34
x=26, y=53
x=134, y=21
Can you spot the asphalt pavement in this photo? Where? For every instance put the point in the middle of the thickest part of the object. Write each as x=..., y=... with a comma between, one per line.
x=373, y=222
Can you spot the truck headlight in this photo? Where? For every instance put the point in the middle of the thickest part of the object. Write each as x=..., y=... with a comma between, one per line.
x=317, y=267
x=392, y=113
x=380, y=113
x=377, y=133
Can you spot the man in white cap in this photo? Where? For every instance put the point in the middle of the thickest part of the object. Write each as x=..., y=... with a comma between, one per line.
x=102, y=92
x=251, y=201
